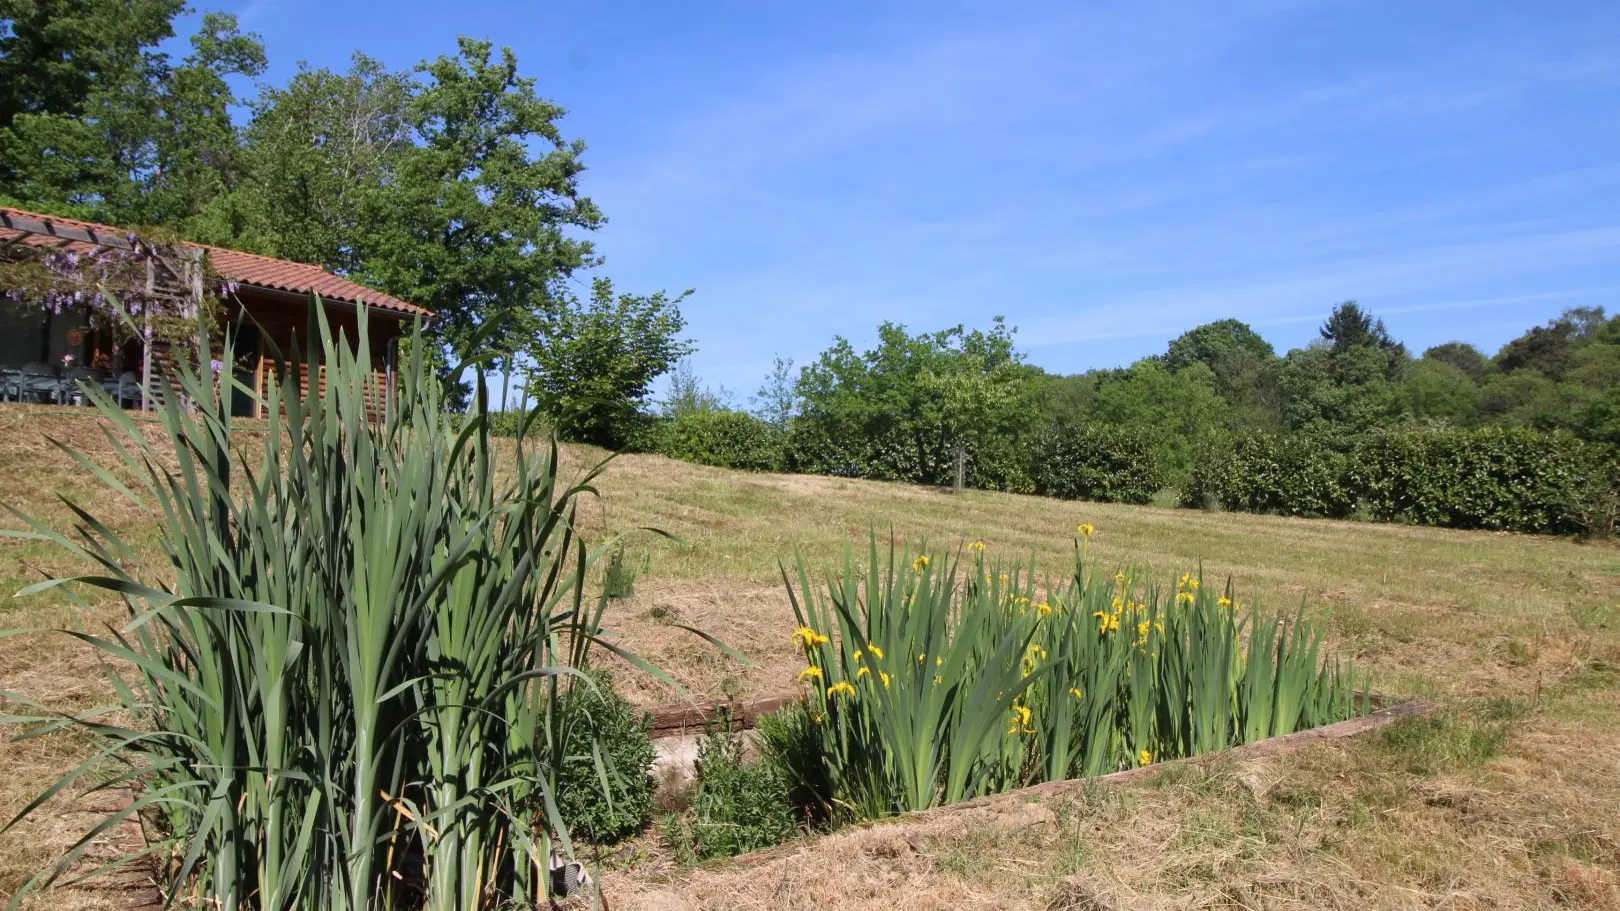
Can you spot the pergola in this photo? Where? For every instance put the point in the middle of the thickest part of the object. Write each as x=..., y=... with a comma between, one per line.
x=167, y=279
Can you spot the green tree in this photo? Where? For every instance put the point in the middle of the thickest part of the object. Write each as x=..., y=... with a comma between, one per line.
x=1438, y=390
x=973, y=390
x=1463, y=356
x=778, y=400
x=688, y=394
x=1550, y=349
x=1177, y=410
x=321, y=155
x=1349, y=327
x=1213, y=343
x=477, y=225
x=899, y=411
x=594, y=364
x=54, y=54
x=1338, y=392
x=1245, y=369
x=96, y=121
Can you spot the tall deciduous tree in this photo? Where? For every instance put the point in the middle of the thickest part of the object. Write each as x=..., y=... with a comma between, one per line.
x=96, y=121
x=1244, y=366
x=1463, y=356
x=778, y=400
x=322, y=157
x=478, y=226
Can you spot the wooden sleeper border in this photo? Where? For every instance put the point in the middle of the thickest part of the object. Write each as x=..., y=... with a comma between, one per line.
x=1388, y=713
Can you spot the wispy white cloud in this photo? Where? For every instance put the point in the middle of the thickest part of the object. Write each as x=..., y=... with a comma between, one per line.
x=1108, y=173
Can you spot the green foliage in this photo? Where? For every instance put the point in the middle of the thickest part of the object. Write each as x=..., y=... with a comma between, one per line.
x=1463, y=356
x=1565, y=375
x=1349, y=327
x=904, y=409
x=1340, y=392
x=322, y=153
x=789, y=740
x=725, y=439
x=1503, y=478
x=778, y=400
x=343, y=688
x=619, y=580
x=594, y=373
x=737, y=806
x=1175, y=409
x=688, y=393
x=1105, y=462
x=1213, y=344
x=604, y=790
x=1287, y=475
x=96, y=121
x=936, y=679
x=1438, y=390
x=1245, y=370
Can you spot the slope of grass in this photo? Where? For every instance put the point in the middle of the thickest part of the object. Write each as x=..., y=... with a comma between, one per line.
x=1508, y=800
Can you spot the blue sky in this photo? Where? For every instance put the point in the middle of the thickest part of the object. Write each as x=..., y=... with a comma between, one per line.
x=1104, y=175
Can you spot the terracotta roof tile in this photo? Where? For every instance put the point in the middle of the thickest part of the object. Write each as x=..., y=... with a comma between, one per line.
x=232, y=265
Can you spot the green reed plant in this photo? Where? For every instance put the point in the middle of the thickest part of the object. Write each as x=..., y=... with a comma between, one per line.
x=340, y=689
x=937, y=677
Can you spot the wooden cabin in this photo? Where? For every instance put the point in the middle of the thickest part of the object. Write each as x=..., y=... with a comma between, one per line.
x=274, y=294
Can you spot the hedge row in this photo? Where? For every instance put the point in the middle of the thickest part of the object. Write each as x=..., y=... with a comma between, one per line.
x=1110, y=463
x=724, y=439
x=1502, y=478
x=1095, y=462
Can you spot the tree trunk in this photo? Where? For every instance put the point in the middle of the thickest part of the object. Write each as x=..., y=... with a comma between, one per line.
x=961, y=466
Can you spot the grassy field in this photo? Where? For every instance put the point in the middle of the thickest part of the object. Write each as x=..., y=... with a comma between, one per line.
x=1510, y=798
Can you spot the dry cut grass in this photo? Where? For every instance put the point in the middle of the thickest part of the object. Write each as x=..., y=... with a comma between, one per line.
x=1506, y=800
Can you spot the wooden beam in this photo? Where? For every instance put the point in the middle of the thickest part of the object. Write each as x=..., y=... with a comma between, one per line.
x=65, y=233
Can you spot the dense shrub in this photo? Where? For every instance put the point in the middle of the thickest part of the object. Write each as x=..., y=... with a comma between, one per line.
x=724, y=439
x=818, y=446
x=788, y=739
x=604, y=717
x=1104, y=462
x=737, y=806
x=1289, y=475
x=1505, y=478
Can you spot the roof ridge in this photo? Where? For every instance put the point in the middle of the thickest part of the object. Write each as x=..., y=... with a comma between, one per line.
x=274, y=259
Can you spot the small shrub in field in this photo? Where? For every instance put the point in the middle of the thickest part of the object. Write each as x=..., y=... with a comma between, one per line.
x=1285, y=475
x=737, y=806
x=1102, y=462
x=724, y=439
x=1507, y=478
x=788, y=740
x=619, y=581
x=604, y=791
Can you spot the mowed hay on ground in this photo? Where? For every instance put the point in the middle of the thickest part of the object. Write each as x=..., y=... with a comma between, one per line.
x=1506, y=801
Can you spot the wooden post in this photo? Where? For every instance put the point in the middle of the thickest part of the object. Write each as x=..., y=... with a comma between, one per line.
x=961, y=465
x=146, y=342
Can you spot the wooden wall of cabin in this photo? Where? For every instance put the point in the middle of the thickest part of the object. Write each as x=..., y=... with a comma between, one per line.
x=282, y=319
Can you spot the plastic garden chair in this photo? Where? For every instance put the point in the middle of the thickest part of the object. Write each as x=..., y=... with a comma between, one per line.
x=37, y=383
x=126, y=389
x=69, y=390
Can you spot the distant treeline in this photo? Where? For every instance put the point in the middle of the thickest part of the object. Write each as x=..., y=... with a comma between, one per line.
x=1351, y=425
